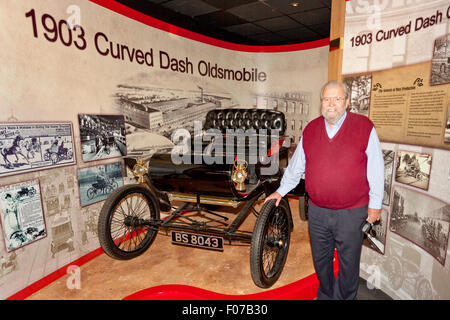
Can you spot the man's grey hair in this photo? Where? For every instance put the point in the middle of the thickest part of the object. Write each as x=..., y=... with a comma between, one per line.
x=333, y=84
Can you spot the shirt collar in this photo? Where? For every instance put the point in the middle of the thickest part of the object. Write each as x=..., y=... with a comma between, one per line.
x=337, y=125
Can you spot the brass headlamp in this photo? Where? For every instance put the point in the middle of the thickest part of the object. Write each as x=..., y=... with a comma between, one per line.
x=140, y=169
x=239, y=174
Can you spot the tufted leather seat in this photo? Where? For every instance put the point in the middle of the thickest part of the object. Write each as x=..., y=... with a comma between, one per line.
x=223, y=119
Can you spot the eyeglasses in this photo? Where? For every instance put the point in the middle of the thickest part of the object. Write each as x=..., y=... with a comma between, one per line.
x=334, y=99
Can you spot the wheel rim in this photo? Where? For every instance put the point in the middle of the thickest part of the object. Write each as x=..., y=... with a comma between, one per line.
x=127, y=230
x=91, y=193
x=276, y=241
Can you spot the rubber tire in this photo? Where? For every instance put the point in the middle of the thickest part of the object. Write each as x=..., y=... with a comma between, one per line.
x=303, y=207
x=91, y=193
x=104, y=227
x=257, y=245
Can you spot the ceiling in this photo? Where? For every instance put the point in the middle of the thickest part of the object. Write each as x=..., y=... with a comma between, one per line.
x=249, y=22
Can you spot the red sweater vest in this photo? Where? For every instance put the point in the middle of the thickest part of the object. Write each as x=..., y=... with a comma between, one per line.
x=336, y=169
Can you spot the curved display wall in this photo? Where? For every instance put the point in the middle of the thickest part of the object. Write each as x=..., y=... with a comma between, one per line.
x=396, y=61
x=76, y=99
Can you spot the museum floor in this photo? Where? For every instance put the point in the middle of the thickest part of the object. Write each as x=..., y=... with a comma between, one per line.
x=226, y=272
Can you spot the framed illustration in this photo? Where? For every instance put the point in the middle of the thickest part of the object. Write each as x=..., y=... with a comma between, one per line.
x=22, y=215
x=31, y=146
x=422, y=220
x=413, y=169
x=102, y=136
x=96, y=183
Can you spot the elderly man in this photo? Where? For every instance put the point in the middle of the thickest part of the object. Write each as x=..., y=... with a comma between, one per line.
x=341, y=157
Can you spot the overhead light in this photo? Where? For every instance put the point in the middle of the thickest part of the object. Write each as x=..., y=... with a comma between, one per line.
x=295, y=4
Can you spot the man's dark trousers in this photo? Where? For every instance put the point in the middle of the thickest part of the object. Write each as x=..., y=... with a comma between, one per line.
x=341, y=228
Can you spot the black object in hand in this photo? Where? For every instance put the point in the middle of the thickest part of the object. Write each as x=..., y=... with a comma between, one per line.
x=367, y=226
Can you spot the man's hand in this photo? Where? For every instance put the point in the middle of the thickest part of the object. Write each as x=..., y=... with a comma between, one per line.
x=276, y=196
x=373, y=215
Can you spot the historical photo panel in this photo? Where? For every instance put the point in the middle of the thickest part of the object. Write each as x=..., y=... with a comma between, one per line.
x=359, y=87
x=102, y=136
x=33, y=146
x=96, y=183
x=413, y=169
x=440, y=63
x=421, y=219
x=22, y=215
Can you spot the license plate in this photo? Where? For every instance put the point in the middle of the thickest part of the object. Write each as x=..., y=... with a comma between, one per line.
x=197, y=240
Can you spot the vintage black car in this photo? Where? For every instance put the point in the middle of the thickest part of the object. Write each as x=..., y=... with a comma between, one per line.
x=237, y=160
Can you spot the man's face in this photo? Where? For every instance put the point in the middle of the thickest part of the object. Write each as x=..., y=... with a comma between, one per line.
x=333, y=104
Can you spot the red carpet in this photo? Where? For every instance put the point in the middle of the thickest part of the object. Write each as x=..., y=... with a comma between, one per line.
x=304, y=289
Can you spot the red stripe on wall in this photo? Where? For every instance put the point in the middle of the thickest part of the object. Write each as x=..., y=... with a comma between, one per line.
x=153, y=22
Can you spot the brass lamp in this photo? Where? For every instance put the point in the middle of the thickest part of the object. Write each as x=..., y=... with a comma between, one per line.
x=140, y=169
x=239, y=174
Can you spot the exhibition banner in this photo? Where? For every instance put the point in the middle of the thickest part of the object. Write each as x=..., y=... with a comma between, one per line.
x=397, y=64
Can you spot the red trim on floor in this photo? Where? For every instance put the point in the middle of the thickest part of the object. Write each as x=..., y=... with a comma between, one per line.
x=153, y=22
x=304, y=289
x=38, y=285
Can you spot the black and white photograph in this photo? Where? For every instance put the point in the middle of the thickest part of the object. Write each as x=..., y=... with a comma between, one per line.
x=440, y=63
x=22, y=215
x=389, y=160
x=102, y=136
x=422, y=220
x=360, y=88
x=156, y=104
x=96, y=183
x=413, y=169
x=34, y=146
x=295, y=105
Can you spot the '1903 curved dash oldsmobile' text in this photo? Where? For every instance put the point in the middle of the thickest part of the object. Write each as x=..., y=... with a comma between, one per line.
x=236, y=160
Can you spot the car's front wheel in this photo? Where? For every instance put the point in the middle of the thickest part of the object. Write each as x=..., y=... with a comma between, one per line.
x=126, y=225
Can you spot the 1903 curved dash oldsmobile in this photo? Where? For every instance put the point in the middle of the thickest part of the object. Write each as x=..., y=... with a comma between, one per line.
x=237, y=160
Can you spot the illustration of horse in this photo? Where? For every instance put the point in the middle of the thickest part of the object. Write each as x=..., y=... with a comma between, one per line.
x=15, y=149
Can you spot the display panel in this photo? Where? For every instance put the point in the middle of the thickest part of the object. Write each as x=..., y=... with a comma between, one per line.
x=422, y=220
x=102, y=136
x=33, y=146
x=22, y=214
x=413, y=169
x=96, y=183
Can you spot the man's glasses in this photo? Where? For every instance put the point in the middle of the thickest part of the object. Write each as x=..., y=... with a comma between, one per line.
x=334, y=99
